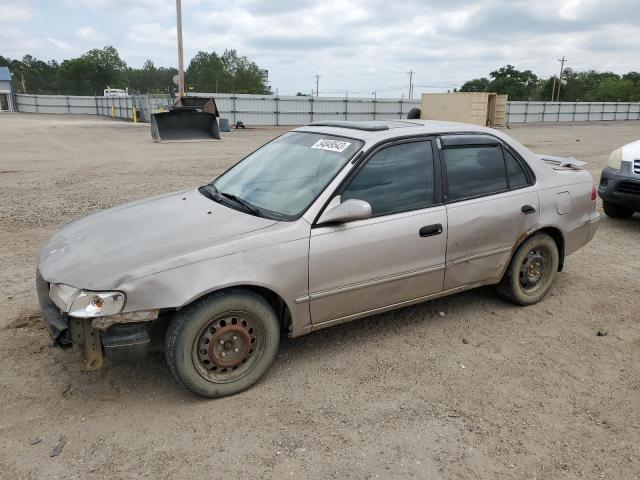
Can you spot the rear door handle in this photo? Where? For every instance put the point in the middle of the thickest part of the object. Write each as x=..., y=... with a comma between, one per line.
x=527, y=209
x=430, y=230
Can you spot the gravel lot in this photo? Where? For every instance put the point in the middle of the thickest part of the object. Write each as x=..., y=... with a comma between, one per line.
x=488, y=390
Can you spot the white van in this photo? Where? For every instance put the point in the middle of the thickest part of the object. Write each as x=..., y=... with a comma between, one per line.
x=115, y=92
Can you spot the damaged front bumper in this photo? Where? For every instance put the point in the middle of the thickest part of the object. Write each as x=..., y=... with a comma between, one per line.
x=119, y=337
x=56, y=321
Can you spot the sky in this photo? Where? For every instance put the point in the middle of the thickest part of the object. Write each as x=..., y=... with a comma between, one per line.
x=359, y=46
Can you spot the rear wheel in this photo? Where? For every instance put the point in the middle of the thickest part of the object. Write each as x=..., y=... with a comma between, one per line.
x=532, y=270
x=616, y=211
x=223, y=343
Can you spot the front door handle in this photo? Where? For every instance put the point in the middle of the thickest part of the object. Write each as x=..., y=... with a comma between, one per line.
x=430, y=230
x=527, y=209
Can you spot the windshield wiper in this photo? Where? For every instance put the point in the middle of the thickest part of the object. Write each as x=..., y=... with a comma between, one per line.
x=213, y=191
x=248, y=207
x=217, y=195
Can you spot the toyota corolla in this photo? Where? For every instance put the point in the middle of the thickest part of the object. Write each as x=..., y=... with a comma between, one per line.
x=327, y=223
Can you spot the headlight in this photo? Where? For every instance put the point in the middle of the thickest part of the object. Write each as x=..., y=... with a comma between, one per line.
x=62, y=295
x=97, y=304
x=615, y=159
x=83, y=304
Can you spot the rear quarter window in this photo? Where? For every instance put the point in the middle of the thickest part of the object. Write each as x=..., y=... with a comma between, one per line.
x=515, y=172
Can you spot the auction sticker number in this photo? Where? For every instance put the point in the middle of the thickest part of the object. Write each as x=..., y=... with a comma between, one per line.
x=331, y=145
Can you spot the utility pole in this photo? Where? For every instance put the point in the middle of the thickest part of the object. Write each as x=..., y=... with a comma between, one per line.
x=561, y=60
x=180, y=50
x=553, y=89
x=411, y=72
x=317, y=84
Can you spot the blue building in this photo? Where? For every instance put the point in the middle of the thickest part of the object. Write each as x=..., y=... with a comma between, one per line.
x=7, y=99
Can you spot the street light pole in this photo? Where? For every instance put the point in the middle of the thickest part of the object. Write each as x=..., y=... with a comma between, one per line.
x=180, y=50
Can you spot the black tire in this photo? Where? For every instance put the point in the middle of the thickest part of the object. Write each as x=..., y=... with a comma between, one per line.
x=616, y=211
x=237, y=323
x=414, y=114
x=531, y=271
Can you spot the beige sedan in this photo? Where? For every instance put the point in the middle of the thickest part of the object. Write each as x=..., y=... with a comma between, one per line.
x=326, y=223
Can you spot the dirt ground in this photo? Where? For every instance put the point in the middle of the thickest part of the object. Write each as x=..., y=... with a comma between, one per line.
x=488, y=390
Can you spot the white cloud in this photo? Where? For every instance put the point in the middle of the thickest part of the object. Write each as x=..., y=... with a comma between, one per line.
x=152, y=34
x=11, y=13
x=61, y=46
x=87, y=33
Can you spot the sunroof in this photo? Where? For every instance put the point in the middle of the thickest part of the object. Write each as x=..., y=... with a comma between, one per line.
x=368, y=126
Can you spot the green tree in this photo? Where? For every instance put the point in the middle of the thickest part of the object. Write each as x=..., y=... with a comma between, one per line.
x=210, y=72
x=545, y=89
x=151, y=79
x=615, y=90
x=475, y=85
x=207, y=73
x=38, y=76
x=518, y=85
x=91, y=73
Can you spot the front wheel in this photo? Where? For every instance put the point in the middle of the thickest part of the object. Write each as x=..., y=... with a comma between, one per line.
x=223, y=343
x=532, y=270
x=614, y=210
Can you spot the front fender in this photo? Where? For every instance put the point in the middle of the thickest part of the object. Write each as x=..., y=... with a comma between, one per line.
x=281, y=267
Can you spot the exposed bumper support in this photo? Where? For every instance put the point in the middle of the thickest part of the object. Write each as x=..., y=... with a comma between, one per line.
x=85, y=335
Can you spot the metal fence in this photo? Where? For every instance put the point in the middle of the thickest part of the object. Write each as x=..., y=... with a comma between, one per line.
x=120, y=107
x=300, y=110
x=263, y=110
x=537, y=112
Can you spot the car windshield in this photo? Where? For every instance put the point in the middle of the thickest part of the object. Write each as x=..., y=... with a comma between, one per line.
x=287, y=174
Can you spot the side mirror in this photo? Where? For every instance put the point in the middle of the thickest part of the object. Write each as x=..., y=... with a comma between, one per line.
x=340, y=212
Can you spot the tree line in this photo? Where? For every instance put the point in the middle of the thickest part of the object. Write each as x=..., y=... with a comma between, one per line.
x=101, y=68
x=587, y=86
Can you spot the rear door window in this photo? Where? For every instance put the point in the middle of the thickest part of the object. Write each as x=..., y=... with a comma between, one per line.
x=474, y=170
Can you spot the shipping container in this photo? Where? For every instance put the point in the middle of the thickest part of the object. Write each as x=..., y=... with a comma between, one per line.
x=478, y=108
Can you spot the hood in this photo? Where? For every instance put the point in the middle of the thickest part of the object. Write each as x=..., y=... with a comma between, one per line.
x=106, y=248
x=631, y=151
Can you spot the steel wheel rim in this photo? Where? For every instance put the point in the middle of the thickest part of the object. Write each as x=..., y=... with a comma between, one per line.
x=535, y=270
x=228, y=347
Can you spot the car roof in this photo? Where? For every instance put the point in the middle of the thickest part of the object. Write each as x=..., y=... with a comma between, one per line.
x=378, y=130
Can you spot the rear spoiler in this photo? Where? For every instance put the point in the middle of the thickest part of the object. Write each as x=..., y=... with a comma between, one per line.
x=562, y=162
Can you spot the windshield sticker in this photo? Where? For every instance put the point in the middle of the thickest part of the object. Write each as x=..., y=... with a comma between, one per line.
x=331, y=145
